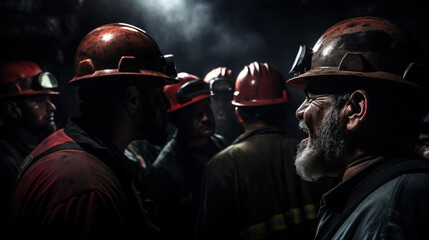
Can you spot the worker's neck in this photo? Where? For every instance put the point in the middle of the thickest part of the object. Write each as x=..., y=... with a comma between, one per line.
x=253, y=126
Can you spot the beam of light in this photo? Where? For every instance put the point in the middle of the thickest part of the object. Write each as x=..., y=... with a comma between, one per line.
x=192, y=23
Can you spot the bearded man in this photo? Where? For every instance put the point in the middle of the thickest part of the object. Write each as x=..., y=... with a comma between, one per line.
x=366, y=97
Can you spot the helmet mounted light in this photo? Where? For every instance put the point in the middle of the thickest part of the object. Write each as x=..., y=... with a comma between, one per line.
x=192, y=89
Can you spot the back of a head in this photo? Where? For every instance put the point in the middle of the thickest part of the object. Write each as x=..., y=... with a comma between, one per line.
x=113, y=56
x=260, y=92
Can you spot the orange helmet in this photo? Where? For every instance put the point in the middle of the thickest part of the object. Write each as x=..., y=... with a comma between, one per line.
x=258, y=84
x=20, y=78
x=190, y=89
x=120, y=49
x=364, y=48
x=220, y=79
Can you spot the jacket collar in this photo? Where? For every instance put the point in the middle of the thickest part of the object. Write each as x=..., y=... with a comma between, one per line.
x=259, y=131
x=105, y=151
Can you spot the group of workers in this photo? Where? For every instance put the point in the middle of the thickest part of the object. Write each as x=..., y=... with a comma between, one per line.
x=156, y=154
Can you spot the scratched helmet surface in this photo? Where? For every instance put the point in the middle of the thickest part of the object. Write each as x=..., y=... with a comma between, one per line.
x=364, y=48
x=120, y=49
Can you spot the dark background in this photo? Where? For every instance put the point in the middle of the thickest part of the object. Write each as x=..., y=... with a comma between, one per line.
x=201, y=34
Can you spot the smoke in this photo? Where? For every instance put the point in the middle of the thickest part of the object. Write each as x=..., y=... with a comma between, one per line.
x=198, y=26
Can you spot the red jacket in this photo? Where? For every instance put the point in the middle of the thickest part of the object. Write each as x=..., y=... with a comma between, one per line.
x=78, y=194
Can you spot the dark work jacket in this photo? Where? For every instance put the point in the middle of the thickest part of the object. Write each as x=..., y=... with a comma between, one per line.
x=251, y=191
x=12, y=153
x=78, y=194
x=387, y=199
x=174, y=184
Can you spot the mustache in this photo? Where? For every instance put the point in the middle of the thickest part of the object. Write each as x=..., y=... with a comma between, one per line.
x=302, y=126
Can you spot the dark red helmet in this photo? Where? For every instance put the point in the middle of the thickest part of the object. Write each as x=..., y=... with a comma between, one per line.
x=363, y=48
x=20, y=78
x=120, y=49
x=258, y=84
x=190, y=89
x=220, y=79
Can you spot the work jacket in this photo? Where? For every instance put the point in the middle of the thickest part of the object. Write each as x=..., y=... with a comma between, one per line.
x=387, y=199
x=13, y=150
x=251, y=191
x=174, y=184
x=85, y=192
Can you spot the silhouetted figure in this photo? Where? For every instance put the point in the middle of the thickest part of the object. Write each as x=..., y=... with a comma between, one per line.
x=26, y=116
x=78, y=184
x=250, y=189
x=221, y=81
x=175, y=179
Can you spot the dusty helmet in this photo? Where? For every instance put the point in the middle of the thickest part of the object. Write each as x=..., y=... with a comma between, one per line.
x=21, y=78
x=190, y=89
x=362, y=48
x=119, y=49
x=258, y=84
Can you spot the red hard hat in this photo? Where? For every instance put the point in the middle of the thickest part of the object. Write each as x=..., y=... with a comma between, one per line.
x=258, y=84
x=363, y=48
x=20, y=78
x=120, y=49
x=188, y=90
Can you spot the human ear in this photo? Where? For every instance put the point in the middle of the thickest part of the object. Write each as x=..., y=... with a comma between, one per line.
x=12, y=109
x=356, y=110
x=131, y=99
x=238, y=115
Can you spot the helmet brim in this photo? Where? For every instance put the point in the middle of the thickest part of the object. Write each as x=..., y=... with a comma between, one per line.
x=143, y=74
x=302, y=81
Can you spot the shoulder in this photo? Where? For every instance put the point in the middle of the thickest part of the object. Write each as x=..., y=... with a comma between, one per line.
x=167, y=155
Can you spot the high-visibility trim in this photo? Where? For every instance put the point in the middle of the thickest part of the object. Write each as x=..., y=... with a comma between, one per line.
x=295, y=215
x=261, y=230
x=279, y=222
x=255, y=232
x=310, y=211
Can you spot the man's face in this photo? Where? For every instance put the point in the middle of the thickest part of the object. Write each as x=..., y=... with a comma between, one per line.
x=197, y=120
x=37, y=114
x=320, y=153
x=422, y=147
x=223, y=109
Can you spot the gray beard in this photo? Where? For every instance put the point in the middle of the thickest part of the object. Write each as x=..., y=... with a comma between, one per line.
x=323, y=154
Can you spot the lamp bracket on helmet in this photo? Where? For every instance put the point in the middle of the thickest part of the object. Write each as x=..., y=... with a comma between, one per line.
x=355, y=62
x=170, y=66
x=220, y=84
x=302, y=61
x=44, y=81
x=128, y=64
x=192, y=89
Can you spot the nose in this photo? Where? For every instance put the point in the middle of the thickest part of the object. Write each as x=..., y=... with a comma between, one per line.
x=51, y=105
x=204, y=117
x=300, y=110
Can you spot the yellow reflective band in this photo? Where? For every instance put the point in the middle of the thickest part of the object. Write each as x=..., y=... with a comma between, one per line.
x=310, y=211
x=254, y=232
x=277, y=222
x=295, y=214
x=260, y=230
